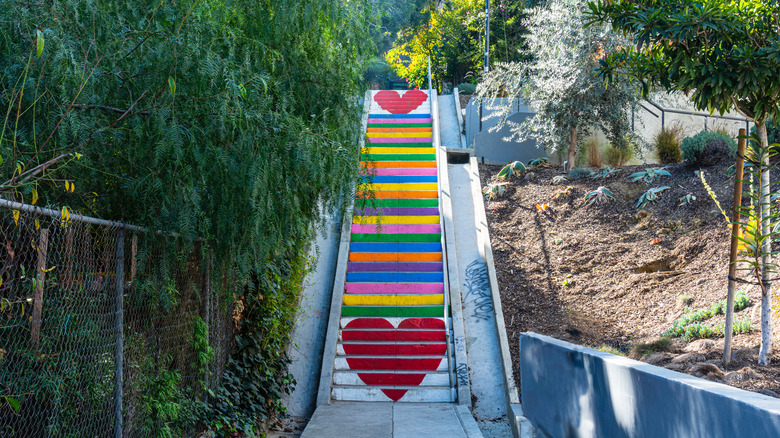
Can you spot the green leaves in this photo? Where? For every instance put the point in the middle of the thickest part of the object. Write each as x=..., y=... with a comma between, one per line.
x=649, y=174
x=651, y=195
x=172, y=85
x=39, y=42
x=601, y=195
x=514, y=168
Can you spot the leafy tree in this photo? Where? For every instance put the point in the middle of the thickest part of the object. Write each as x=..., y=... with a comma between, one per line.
x=561, y=81
x=723, y=54
x=227, y=120
x=452, y=36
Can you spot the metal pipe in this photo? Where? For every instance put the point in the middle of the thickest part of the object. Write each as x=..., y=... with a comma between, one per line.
x=119, y=331
x=74, y=217
x=487, y=33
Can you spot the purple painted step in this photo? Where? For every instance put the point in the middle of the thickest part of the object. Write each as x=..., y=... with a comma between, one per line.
x=397, y=211
x=394, y=267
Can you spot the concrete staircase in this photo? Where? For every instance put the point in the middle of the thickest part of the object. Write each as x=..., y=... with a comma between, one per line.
x=394, y=339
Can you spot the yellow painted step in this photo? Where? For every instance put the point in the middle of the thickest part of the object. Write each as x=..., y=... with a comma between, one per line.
x=381, y=187
x=398, y=150
x=393, y=300
x=395, y=220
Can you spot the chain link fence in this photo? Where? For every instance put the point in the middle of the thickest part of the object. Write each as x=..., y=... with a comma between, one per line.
x=105, y=329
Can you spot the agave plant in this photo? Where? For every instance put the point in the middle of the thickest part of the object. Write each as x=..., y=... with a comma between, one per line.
x=537, y=162
x=651, y=195
x=686, y=200
x=493, y=191
x=512, y=169
x=559, y=179
x=601, y=195
x=604, y=173
x=649, y=174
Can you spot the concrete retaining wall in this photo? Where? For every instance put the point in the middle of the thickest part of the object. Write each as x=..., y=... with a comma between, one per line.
x=572, y=391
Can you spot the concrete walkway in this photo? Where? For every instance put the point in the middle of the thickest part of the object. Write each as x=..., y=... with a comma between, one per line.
x=482, y=345
x=398, y=420
x=448, y=122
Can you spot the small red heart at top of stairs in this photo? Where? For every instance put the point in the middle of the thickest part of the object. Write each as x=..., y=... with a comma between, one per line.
x=394, y=353
x=394, y=103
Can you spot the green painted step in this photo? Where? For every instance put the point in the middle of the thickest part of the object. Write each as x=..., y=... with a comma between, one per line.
x=390, y=311
x=401, y=125
x=398, y=157
x=380, y=237
x=399, y=145
x=363, y=203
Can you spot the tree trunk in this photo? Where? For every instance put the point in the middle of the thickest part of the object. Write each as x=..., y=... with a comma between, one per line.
x=766, y=254
x=573, y=148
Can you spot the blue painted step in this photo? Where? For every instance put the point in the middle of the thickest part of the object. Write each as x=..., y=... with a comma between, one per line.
x=401, y=179
x=395, y=277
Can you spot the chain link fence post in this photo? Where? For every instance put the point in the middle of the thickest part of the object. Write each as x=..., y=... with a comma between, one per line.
x=119, y=328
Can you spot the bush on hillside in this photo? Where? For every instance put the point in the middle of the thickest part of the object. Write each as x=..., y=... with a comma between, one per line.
x=615, y=156
x=708, y=148
x=667, y=144
x=467, y=88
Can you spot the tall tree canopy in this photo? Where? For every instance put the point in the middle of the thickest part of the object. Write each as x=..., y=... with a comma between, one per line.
x=228, y=120
x=726, y=55
x=561, y=81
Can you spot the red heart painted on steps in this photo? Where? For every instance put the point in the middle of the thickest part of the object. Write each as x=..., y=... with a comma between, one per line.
x=394, y=103
x=431, y=330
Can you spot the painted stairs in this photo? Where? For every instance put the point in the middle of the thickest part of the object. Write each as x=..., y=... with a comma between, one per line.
x=394, y=330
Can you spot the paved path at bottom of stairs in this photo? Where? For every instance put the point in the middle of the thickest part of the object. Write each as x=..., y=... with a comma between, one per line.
x=392, y=420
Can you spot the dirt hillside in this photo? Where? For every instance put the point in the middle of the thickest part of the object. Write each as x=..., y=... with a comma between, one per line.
x=614, y=277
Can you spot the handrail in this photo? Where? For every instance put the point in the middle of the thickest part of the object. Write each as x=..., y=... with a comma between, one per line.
x=74, y=217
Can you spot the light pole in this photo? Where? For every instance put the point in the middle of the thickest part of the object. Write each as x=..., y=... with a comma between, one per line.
x=487, y=33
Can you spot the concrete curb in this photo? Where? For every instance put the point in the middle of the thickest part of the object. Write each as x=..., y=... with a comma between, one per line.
x=514, y=410
x=468, y=422
x=459, y=114
x=453, y=275
x=331, y=339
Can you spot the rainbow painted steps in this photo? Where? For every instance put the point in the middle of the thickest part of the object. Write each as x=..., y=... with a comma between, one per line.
x=394, y=326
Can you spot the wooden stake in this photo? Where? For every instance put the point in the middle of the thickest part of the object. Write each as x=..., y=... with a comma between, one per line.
x=727, y=330
x=40, y=278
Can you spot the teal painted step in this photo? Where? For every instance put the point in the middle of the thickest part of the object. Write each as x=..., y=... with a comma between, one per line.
x=369, y=203
x=378, y=237
x=398, y=157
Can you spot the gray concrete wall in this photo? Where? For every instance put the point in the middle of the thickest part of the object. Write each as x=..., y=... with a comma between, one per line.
x=573, y=391
x=490, y=147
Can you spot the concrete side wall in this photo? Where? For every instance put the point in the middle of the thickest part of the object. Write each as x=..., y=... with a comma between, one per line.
x=572, y=391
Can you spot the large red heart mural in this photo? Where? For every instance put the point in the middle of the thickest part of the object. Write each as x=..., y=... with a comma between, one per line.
x=431, y=331
x=394, y=103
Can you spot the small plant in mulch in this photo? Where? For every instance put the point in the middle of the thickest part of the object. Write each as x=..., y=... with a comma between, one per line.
x=686, y=200
x=690, y=325
x=559, y=179
x=604, y=173
x=538, y=162
x=562, y=193
x=645, y=349
x=514, y=168
x=494, y=190
x=601, y=195
x=649, y=175
x=651, y=195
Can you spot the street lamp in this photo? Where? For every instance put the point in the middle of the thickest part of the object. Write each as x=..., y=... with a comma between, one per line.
x=487, y=33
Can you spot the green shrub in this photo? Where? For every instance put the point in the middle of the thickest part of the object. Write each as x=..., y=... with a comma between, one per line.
x=467, y=88
x=609, y=349
x=615, y=156
x=579, y=172
x=667, y=144
x=593, y=150
x=708, y=148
